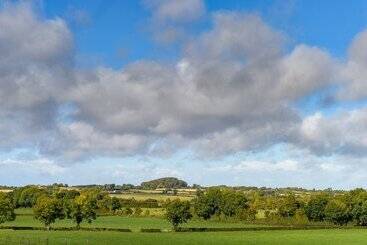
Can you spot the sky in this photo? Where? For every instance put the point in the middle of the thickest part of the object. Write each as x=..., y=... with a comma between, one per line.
x=256, y=93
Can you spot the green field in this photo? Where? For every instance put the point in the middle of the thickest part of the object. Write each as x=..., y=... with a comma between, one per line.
x=144, y=196
x=337, y=236
x=134, y=223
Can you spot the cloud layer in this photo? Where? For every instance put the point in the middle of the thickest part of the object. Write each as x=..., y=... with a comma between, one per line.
x=235, y=88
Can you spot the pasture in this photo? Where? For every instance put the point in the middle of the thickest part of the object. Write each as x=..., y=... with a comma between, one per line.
x=149, y=195
x=299, y=237
x=133, y=223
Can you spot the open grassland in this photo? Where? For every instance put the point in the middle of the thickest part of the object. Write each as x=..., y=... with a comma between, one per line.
x=133, y=223
x=299, y=237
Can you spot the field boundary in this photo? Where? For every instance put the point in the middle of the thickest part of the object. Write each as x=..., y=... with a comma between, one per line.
x=19, y=228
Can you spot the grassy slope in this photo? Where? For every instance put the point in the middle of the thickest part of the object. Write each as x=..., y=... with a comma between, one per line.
x=259, y=237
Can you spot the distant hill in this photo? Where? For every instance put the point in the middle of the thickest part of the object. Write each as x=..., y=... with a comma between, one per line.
x=168, y=182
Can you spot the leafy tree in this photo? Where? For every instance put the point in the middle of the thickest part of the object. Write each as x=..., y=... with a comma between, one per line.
x=359, y=213
x=27, y=196
x=47, y=210
x=178, y=212
x=83, y=209
x=207, y=204
x=6, y=209
x=232, y=202
x=115, y=204
x=315, y=208
x=288, y=206
x=167, y=183
x=337, y=212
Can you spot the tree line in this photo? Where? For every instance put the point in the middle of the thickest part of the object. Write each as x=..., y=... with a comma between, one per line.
x=226, y=203
x=56, y=203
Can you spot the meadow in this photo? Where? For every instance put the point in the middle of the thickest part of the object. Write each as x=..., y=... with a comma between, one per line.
x=148, y=195
x=134, y=223
x=299, y=237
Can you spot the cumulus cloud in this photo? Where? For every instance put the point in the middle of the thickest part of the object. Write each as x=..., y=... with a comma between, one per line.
x=234, y=89
x=261, y=166
x=42, y=165
x=171, y=17
x=342, y=133
x=234, y=84
x=353, y=74
x=35, y=73
x=176, y=10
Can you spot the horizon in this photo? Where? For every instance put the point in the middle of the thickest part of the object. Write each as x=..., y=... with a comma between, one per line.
x=238, y=93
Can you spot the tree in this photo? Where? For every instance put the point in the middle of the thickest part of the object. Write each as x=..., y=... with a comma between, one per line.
x=115, y=204
x=288, y=206
x=6, y=209
x=207, y=204
x=178, y=212
x=315, y=208
x=47, y=210
x=167, y=183
x=359, y=213
x=27, y=196
x=337, y=212
x=233, y=203
x=83, y=208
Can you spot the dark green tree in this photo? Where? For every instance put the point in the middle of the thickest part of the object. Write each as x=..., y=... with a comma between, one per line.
x=6, y=208
x=337, y=212
x=178, y=212
x=315, y=208
x=208, y=203
x=359, y=213
x=233, y=203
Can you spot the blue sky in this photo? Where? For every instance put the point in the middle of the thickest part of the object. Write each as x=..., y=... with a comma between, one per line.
x=118, y=25
x=260, y=93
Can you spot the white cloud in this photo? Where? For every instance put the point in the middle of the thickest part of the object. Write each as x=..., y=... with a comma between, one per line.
x=41, y=165
x=170, y=18
x=260, y=166
x=342, y=133
x=233, y=89
x=36, y=71
x=176, y=10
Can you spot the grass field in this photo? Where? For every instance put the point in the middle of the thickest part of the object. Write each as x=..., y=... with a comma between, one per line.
x=134, y=223
x=332, y=237
x=144, y=196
